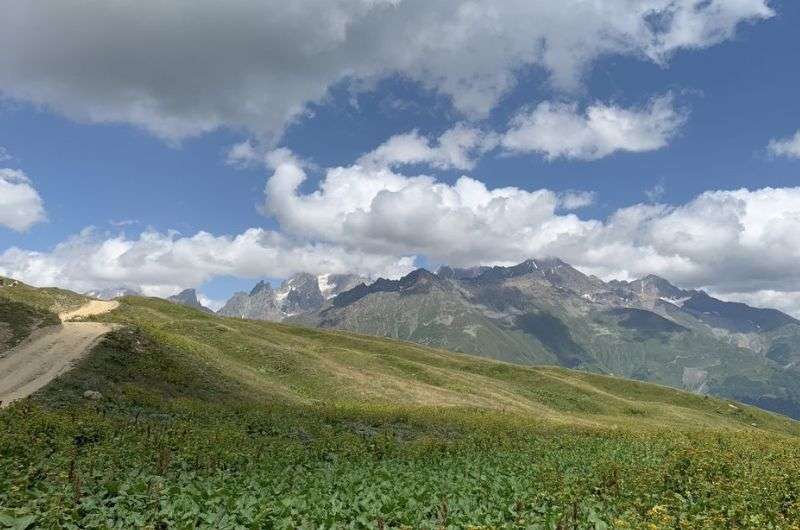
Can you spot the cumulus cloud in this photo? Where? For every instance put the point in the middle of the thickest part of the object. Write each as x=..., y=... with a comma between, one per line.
x=373, y=220
x=20, y=204
x=743, y=244
x=560, y=130
x=554, y=130
x=456, y=148
x=162, y=264
x=381, y=211
x=734, y=241
x=787, y=147
x=181, y=68
x=244, y=154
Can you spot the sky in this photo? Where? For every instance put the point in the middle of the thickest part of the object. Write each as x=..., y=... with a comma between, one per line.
x=162, y=145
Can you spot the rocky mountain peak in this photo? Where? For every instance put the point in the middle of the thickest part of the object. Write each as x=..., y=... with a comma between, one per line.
x=419, y=276
x=652, y=288
x=454, y=273
x=416, y=282
x=188, y=297
x=301, y=280
x=554, y=271
x=298, y=294
x=261, y=286
x=332, y=284
x=546, y=263
x=113, y=292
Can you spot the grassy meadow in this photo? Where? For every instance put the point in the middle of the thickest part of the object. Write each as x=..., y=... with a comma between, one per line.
x=223, y=423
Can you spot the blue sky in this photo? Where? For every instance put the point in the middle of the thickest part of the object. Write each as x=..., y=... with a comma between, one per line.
x=94, y=162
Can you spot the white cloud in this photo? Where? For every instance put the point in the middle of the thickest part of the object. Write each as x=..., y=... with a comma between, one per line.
x=373, y=220
x=244, y=154
x=456, y=148
x=553, y=130
x=181, y=68
x=788, y=147
x=5, y=156
x=212, y=304
x=734, y=241
x=162, y=264
x=380, y=211
x=743, y=244
x=574, y=199
x=20, y=204
x=559, y=130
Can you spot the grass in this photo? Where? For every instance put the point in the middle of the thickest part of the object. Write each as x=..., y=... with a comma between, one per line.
x=296, y=365
x=224, y=423
x=18, y=320
x=49, y=299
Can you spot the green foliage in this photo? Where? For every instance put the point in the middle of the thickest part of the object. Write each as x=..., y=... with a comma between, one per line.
x=379, y=467
x=18, y=320
x=222, y=423
x=48, y=299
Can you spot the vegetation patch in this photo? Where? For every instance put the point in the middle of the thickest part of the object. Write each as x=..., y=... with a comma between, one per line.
x=196, y=427
x=555, y=336
x=18, y=320
x=48, y=299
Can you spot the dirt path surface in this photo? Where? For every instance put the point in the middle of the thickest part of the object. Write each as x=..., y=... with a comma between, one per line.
x=50, y=351
x=95, y=307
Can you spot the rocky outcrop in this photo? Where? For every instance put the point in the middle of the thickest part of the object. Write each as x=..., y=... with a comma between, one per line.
x=301, y=294
x=188, y=297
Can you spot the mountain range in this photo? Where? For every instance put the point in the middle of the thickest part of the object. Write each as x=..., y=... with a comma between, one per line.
x=545, y=311
x=302, y=293
x=113, y=292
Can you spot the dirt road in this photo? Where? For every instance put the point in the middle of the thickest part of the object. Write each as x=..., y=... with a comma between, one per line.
x=50, y=351
x=95, y=307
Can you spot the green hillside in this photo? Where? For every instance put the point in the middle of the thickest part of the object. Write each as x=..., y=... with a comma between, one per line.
x=24, y=309
x=295, y=365
x=49, y=299
x=545, y=312
x=224, y=423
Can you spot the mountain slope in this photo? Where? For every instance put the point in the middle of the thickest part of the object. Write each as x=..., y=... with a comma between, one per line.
x=227, y=423
x=24, y=309
x=295, y=365
x=49, y=299
x=547, y=312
